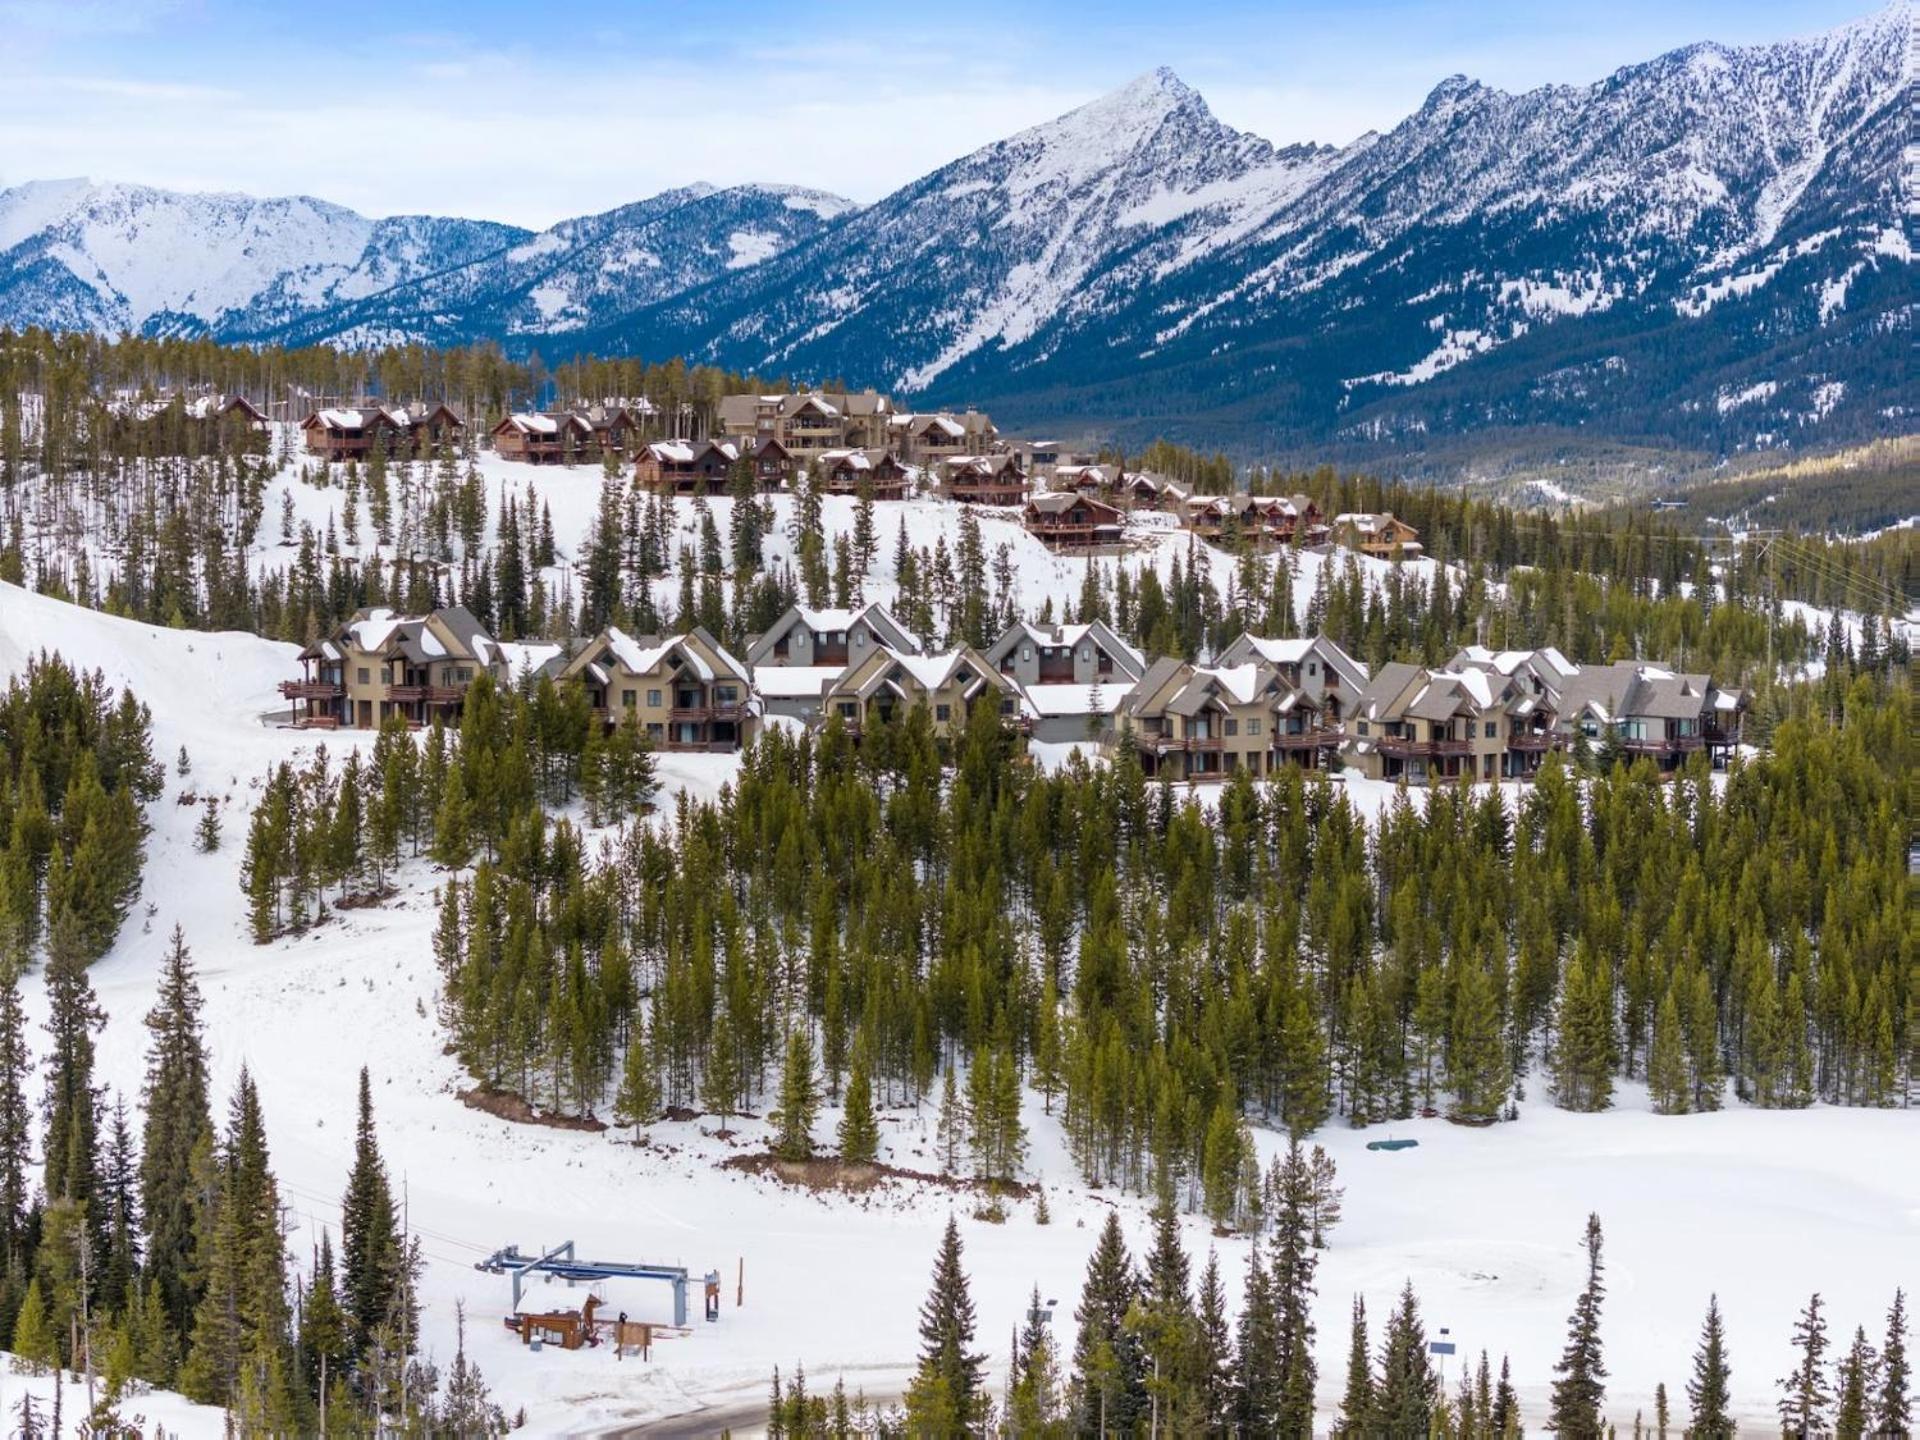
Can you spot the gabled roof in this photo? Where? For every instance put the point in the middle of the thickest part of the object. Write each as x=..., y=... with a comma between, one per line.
x=696, y=649
x=890, y=632
x=1069, y=636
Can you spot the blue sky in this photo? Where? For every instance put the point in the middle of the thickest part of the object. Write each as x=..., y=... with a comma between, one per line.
x=530, y=113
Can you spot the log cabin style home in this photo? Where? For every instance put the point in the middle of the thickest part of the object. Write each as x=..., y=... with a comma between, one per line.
x=1382, y=535
x=774, y=466
x=1144, y=490
x=927, y=440
x=1066, y=521
x=379, y=663
x=806, y=650
x=1195, y=722
x=1329, y=676
x=395, y=431
x=1261, y=519
x=985, y=480
x=1074, y=677
x=554, y=437
x=888, y=685
x=686, y=467
x=1101, y=481
x=847, y=472
x=685, y=692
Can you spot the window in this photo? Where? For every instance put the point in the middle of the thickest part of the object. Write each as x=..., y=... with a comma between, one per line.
x=653, y=699
x=1006, y=707
x=1313, y=667
x=1253, y=726
x=462, y=674
x=848, y=710
x=1363, y=727
x=1493, y=729
x=654, y=732
x=943, y=713
x=1026, y=652
x=860, y=639
x=1232, y=727
x=627, y=698
x=364, y=676
x=726, y=695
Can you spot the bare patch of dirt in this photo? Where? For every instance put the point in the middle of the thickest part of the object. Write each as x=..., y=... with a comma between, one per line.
x=827, y=1172
x=508, y=1105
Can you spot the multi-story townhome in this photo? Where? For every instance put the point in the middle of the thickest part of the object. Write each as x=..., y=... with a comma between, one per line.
x=1381, y=536
x=1263, y=519
x=397, y=431
x=774, y=466
x=1075, y=677
x=1102, y=482
x=1143, y=490
x=811, y=421
x=1064, y=520
x=929, y=439
x=845, y=472
x=379, y=663
x=685, y=692
x=1314, y=665
x=1540, y=678
x=1655, y=713
x=985, y=480
x=806, y=650
x=888, y=685
x=686, y=467
x=1195, y=722
x=1427, y=726
x=553, y=437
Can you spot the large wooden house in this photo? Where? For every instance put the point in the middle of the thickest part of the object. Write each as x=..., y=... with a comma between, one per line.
x=888, y=685
x=985, y=480
x=848, y=472
x=1064, y=520
x=379, y=663
x=686, y=467
x=809, y=422
x=1381, y=535
x=397, y=432
x=554, y=437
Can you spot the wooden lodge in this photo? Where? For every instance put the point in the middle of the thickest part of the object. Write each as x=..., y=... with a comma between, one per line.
x=986, y=480
x=1065, y=520
x=845, y=472
x=686, y=467
x=394, y=431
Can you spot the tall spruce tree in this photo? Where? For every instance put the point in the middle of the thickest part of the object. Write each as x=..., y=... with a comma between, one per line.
x=372, y=1249
x=72, y=1104
x=179, y=1125
x=1893, y=1403
x=1407, y=1391
x=1108, y=1376
x=1356, y=1401
x=16, y=1126
x=947, y=1395
x=1709, y=1391
x=1804, y=1396
x=1580, y=1383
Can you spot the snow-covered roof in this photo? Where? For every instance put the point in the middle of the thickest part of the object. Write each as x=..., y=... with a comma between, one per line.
x=1052, y=700
x=794, y=682
x=1238, y=681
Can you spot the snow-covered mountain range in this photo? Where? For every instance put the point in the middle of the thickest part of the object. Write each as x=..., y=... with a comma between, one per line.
x=1708, y=250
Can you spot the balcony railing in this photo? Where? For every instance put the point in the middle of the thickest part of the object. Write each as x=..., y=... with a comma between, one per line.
x=1403, y=748
x=431, y=694
x=1662, y=744
x=1304, y=739
x=1531, y=740
x=311, y=690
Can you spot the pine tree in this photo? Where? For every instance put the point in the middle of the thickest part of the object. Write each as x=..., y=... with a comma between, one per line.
x=206, y=835
x=1708, y=1392
x=859, y=1136
x=1356, y=1401
x=1804, y=1396
x=947, y=1394
x=1853, y=1405
x=1033, y=1399
x=1583, y=1051
x=951, y=1127
x=1213, y=1357
x=1478, y=1070
x=1108, y=1385
x=372, y=1251
x=179, y=1125
x=33, y=1339
x=72, y=1103
x=323, y=1326
x=1668, y=1085
x=639, y=1099
x=1407, y=1391
x=16, y=1126
x=1505, y=1417
x=1581, y=1383
x=1892, y=1410
x=467, y=1408
x=799, y=1098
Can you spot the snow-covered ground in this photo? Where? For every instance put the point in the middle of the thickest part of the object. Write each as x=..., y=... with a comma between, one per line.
x=1761, y=1207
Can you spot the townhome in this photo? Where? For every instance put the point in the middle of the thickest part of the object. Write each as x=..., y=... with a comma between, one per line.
x=1068, y=521
x=686, y=467
x=985, y=480
x=888, y=685
x=554, y=437
x=396, y=431
x=847, y=472
x=806, y=650
x=1261, y=519
x=1654, y=712
x=685, y=692
x=1429, y=726
x=1540, y=678
x=1102, y=481
x=1074, y=677
x=1314, y=665
x=1143, y=490
x=1193, y=722
x=811, y=421
x=1380, y=535
x=774, y=466
x=380, y=663
x=929, y=439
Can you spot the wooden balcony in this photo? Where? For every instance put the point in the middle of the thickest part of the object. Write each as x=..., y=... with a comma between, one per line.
x=431, y=694
x=1400, y=747
x=1315, y=739
x=1664, y=745
x=1531, y=740
x=311, y=690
